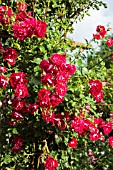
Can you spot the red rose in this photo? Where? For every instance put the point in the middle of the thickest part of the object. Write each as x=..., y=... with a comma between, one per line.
x=58, y=59
x=110, y=141
x=101, y=30
x=17, y=78
x=44, y=98
x=51, y=163
x=18, y=141
x=107, y=128
x=69, y=69
x=94, y=136
x=72, y=143
x=109, y=42
x=61, y=89
x=40, y=29
x=21, y=91
x=32, y=108
x=48, y=117
x=17, y=104
x=10, y=55
x=96, y=90
x=5, y=14
x=46, y=66
x=14, y=118
x=2, y=69
x=20, y=30
x=99, y=96
x=96, y=36
x=3, y=81
x=47, y=79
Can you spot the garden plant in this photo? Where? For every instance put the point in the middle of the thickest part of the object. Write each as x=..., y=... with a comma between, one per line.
x=56, y=95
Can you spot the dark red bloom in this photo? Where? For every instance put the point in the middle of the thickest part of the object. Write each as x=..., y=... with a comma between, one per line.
x=40, y=29
x=32, y=108
x=21, y=91
x=50, y=163
x=110, y=141
x=99, y=96
x=14, y=118
x=18, y=141
x=10, y=55
x=72, y=143
x=58, y=59
x=107, y=128
x=16, y=148
x=96, y=90
x=61, y=89
x=3, y=81
x=18, y=78
x=2, y=69
x=109, y=42
x=101, y=30
x=18, y=104
x=48, y=79
x=96, y=36
x=44, y=98
x=46, y=66
x=68, y=69
x=94, y=136
x=48, y=117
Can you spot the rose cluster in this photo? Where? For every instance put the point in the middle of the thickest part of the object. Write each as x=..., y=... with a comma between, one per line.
x=96, y=90
x=95, y=129
x=101, y=34
x=26, y=26
x=18, y=82
x=6, y=14
x=9, y=55
x=55, y=74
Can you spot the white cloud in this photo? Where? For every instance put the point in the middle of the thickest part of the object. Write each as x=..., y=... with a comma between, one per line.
x=87, y=26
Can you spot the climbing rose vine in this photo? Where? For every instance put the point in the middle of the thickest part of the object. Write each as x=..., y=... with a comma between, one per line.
x=54, y=105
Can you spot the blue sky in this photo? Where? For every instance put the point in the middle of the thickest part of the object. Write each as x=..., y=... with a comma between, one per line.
x=87, y=26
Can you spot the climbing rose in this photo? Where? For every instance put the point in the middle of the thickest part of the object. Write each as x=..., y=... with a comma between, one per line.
x=51, y=163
